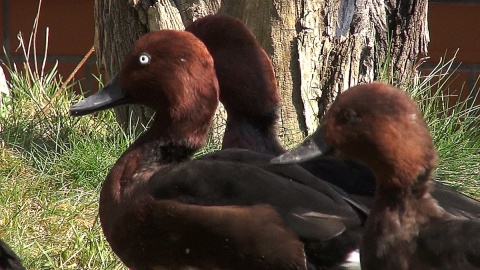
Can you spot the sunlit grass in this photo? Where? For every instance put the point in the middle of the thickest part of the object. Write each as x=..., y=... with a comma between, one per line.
x=454, y=123
x=50, y=224
x=51, y=169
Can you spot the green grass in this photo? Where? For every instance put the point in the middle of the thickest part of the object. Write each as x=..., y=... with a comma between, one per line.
x=455, y=127
x=52, y=165
x=51, y=170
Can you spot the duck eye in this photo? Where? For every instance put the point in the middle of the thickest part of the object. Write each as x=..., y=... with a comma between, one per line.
x=144, y=58
x=349, y=115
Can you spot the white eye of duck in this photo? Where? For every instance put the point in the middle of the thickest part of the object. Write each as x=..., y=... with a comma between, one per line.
x=144, y=58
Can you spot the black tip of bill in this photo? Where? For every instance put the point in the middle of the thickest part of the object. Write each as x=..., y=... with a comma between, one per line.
x=312, y=147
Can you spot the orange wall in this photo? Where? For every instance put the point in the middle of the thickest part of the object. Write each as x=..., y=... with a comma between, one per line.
x=455, y=25
x=71, y=33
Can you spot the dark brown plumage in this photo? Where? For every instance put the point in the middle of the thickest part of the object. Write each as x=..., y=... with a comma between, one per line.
x=249, y=94
x=159, y=208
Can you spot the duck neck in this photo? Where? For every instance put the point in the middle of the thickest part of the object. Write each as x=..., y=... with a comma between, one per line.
x=401, y=195
x=148, y=155
x=397, y=214
x=141, y=160
x=256, y=135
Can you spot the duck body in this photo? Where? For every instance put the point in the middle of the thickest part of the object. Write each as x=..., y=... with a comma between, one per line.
x=405, y=239
x=159, y=209
x=409, y=231
x=406, y=228
x=243, y=217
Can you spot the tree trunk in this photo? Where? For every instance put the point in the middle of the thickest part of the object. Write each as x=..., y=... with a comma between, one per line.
x=318, y=48
x=117, y=27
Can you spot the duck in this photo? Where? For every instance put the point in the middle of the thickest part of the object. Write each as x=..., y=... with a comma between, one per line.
x=161, y=209
x=245, y=73
x=248, y=91
x=8, y=259
x=381, y=126
x=249, y=94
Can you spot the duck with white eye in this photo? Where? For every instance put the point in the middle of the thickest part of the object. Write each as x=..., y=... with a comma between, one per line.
x=144, y=58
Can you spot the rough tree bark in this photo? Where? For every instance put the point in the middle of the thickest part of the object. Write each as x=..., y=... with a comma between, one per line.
x=117, y=27
x=318, y=47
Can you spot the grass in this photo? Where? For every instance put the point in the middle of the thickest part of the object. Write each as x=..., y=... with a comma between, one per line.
x=52, y=165
x=51, y=170
x=455, y=127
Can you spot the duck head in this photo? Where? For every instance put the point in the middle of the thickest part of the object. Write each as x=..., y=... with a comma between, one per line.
x=379, y=125
x=248, y=89
x=171, y=72
x=247, y=82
